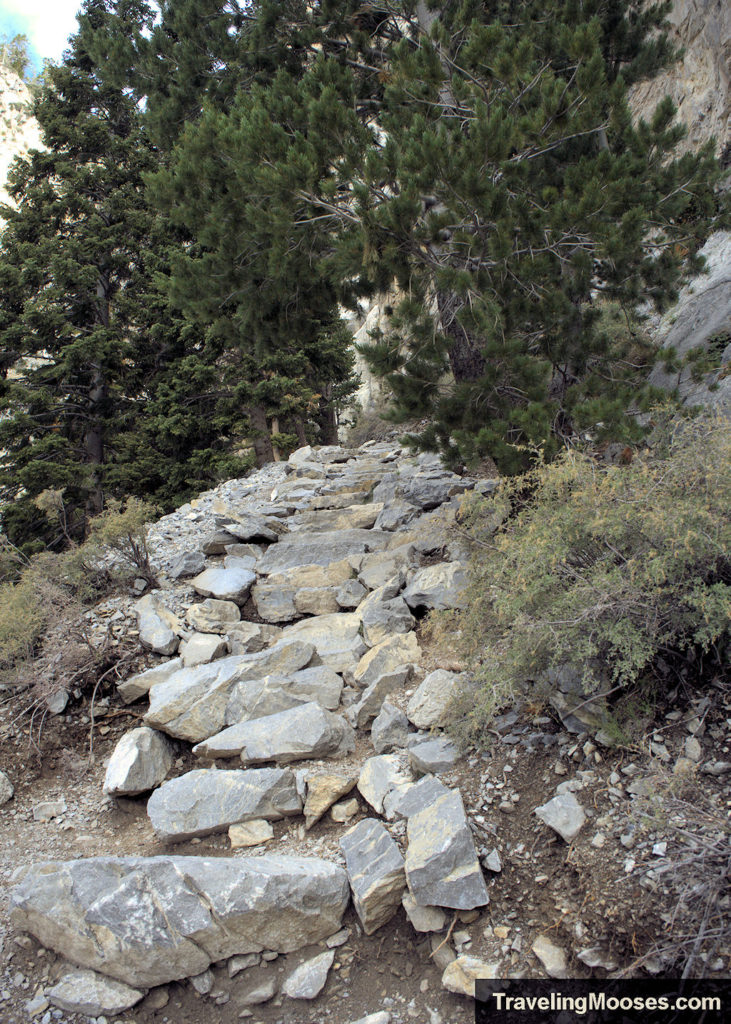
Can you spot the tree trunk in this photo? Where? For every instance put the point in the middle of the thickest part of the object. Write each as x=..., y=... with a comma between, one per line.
x=275, y=430
x=465, y=356
x=327, y=418
x=261, y=439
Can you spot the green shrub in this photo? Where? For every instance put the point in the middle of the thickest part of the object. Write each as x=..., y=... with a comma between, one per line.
x=614, y=569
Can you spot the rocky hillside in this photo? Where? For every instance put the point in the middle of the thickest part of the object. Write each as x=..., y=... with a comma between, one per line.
x=19, y=132
x=277, y=828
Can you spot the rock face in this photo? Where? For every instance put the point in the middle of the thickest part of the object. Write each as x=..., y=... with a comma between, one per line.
x=306, y=731
x=147, y=921
x=375, y=871
x=140, y=761
x=205, y=801
x=442, y=869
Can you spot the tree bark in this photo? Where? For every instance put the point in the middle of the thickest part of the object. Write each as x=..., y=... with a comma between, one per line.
x=262, y=439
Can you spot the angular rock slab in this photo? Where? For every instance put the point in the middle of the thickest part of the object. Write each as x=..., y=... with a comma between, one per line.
x=308, y=980
x=438, y=586
x=140, y=761
x=564, y=814
x=390, y=729
x=191, y=704
x=6, y=789
x=139, y=686
x=93, y=994
x=437, y=754
x=322, y=792
x=460, y=976
x=402, y=803
x=256, y=698
x=202, y=649
x=369, y=706
x=336, y=638
x=376, y=873
x=381, y=776
x=159, y=628
x=442, y=868
x=148, y=921
x=225, y=584
x=205, y=801
x=431, y=699
x=399, y=649
x=305, y=731
x=212, y=616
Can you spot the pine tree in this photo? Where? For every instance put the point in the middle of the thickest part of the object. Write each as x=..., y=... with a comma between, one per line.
x=511, y=197
x=104, y=392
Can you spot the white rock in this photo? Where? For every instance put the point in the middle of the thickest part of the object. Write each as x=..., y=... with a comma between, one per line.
x=202, y=649
x=564, y=814
x=250, y=833
x=552, y=957
x=308, y=980
x=91, y=993
x=140, y=761
x=6, y=789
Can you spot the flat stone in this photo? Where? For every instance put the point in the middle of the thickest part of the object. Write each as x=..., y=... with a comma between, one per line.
x=252, y=637
x=551, y=956
x=389, y=730
x=259, y=990
x=433, y=755
x=247, y=526
x=319, y=549
x=380, y=776
x=93, y=994
x=47, y=810
x=205, y=801
x=140, y=761
x=237, y=964
x=191, y=704
x=428, y=706
x=308, y=980
x=438, y=586
x=256, y=698
x=396, y=514
x=415, y=797
x=316, y=601
x=336, y=639
x=6, y=789
x=362, y=713
x=212, y=616
x=215, y=543
x=461, y=974
x=202, y=649
x=250, y=833
x=159, y=629
x=442, y=868
x=305, y=731
x=139, y=686
x=378, y=568
x=148, y=921
x=423, y=919
x=203, y=982
x=564, y=814
x=225, y=584
x=376, y=873
x=330, y=520
x=188, y=564
x=322, y=792
x=382, y=1017
x=400, y=649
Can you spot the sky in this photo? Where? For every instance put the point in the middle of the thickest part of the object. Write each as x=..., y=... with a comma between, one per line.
x=47, y=24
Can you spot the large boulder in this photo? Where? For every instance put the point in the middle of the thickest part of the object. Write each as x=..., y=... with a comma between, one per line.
x=442, y=869
x=205, y=801
x=148, y=921
x=375, y=871
x=319, y=549
x=256, y=698
x=140, y=761
x=138, y=686
x=302, y=732
x=191, y=704
x=278, y=597
x=212, y=616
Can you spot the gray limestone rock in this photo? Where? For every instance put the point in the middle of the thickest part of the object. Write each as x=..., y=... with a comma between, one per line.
x=442, y=868
x=202, y=649
x=319, y=549
x=159, y=628
x=350, y=594
x=400, y=649
x=323, y=790
x=336, y=638
x=437, y=586
x=385, y=618
x=423, y=919
x=299, y=733
x=552, y=957
x=191, y=704
x=433, y=755
x=376, y=873
x=6, y=789
x=92, y=994
x=225, y=584
x=248, y=526
x=389, y=729
x=395, y=514
x=564, y=814
x=308, y=980
x=140, y=761
x=138, y=686
x=362, y=713
x=148, y=921
x=188, y=564
x=215, y=543
x=211, y=616
x=429, y=703
x=358, y=517
x=380, y=776
x=252, y=637
x=417, y=796
x=256, y=698
x=205, y=801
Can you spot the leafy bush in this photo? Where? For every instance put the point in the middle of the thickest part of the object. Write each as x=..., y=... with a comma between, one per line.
x=619, y=570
